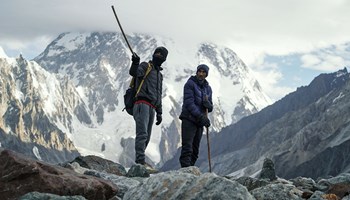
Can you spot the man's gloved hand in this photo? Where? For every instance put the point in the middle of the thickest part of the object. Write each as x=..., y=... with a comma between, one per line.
x=204, y=121
x=159, y=119
x=207, y=105
x=135, y=59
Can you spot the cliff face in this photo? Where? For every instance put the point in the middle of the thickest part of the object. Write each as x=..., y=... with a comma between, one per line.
x=25, y=125
x=295, y=132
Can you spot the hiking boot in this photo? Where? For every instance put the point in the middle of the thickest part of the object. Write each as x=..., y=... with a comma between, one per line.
x=149, y=168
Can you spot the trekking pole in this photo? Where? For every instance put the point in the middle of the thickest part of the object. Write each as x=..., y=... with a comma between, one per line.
x=206, y=114
x=208, y=145
x=121, y=28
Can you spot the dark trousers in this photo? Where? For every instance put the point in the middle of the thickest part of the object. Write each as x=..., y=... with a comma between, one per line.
x=144, y=118
x=191, y=136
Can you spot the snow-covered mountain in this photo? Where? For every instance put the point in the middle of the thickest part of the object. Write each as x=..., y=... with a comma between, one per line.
x=34, y=107
x=98, y=64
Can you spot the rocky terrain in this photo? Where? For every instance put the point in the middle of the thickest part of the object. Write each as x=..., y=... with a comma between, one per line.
x=91, y=177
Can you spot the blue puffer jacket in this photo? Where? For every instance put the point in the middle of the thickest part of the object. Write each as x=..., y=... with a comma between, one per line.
x=194, y=94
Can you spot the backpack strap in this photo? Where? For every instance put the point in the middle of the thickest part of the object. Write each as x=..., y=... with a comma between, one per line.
x=132, y=82
x=149, y=68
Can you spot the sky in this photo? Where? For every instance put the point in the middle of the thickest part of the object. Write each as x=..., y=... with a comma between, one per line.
x=285, y=42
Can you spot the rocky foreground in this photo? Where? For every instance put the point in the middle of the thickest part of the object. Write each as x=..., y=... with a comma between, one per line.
x=92, y=177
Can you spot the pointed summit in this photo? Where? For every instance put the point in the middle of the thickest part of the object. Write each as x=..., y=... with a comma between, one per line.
x=2, y=53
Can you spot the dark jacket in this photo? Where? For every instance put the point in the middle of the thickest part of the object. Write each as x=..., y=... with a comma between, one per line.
x=151, y=90
x=194, y=94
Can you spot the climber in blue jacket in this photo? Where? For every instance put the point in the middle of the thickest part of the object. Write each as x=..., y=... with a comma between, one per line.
x=197, y=100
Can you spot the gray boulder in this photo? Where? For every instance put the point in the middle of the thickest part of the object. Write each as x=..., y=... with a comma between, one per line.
x=277, y=191
x=137, y=170
x=186, y=185
x=38, y=196
x=252, y=183
x=123, y=183
x=100, y=164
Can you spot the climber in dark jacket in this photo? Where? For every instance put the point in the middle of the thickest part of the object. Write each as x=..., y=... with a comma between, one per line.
x=149, y=99
x=196, y=100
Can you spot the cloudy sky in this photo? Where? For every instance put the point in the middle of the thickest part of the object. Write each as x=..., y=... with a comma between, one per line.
x=286, y=42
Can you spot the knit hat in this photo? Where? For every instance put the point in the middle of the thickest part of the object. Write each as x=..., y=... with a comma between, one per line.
x=203, y=67
x=163, y=51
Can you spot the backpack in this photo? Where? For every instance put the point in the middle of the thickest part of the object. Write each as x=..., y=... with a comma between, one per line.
x=131, y=93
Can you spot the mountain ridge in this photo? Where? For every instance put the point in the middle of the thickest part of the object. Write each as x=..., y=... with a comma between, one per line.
x=290, y=136
x=25, y=124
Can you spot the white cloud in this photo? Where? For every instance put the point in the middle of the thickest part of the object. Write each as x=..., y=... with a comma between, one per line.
x=252, y=28
x=29, y=49
x=329, y=59
x=269, y=76
x=310, y=60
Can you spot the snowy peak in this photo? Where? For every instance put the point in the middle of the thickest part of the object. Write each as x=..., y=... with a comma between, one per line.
x=2, y=53
x=31, y=109
x=233, y=83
